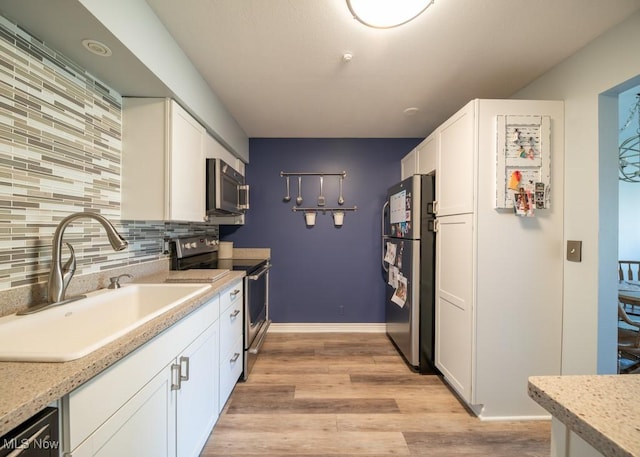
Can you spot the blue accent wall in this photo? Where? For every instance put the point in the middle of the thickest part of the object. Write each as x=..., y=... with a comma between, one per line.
x=321, y=274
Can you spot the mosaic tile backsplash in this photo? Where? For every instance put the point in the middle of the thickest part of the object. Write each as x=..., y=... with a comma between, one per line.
x=60, y=153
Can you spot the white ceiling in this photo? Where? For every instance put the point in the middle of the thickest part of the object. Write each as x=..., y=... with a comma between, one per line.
x=277, y=64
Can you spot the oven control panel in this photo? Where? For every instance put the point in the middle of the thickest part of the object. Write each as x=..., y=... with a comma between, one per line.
x=193, y=245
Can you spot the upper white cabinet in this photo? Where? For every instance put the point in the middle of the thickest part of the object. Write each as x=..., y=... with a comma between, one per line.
x=426, y=154
x=409, y=165
x=421, y=160
x=455, y=181
x=214, y=150
x=163, y=172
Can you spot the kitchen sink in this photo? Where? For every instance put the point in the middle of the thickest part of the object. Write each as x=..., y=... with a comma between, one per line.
x=75, y=329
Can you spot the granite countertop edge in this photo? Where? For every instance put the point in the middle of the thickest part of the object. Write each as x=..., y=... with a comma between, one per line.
x=601, y=409
x=29, y=387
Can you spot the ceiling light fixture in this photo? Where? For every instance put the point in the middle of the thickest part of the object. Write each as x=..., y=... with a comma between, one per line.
x=97, y=47
x=385, y=14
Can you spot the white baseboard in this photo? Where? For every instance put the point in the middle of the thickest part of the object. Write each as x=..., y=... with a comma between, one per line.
x=326, y=328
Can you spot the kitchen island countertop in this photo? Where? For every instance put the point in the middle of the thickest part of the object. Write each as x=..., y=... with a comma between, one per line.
x=604, y=410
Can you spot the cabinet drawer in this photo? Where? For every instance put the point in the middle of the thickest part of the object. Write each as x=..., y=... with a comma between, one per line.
x=231, y=326
x=231, y=366
x=231, y=295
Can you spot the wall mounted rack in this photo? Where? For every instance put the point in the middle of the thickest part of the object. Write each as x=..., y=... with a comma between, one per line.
x=323, y=209
x=342, y=173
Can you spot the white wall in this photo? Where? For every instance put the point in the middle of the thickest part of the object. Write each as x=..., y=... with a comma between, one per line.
x=629, y=196
x=585, y=82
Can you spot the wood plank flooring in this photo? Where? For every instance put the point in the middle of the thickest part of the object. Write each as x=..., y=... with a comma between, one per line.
x=342, y=395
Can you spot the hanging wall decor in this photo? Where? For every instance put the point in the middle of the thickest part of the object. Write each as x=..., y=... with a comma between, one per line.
x=311, y=212
x=523, y=174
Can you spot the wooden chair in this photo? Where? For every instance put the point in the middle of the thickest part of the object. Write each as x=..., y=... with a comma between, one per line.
x=628, y=342
x=629, y=270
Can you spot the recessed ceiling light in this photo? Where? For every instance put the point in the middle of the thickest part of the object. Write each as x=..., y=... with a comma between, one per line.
x=97, y=47
x=411, y=111
x=385, y=14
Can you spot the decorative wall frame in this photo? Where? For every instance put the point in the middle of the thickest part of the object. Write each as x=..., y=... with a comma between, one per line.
x=523, y=169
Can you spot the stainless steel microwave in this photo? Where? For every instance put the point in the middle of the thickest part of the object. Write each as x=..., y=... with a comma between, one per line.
x=226, y=190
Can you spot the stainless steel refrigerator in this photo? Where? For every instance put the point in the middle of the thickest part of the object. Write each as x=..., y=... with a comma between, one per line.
x=408, y=245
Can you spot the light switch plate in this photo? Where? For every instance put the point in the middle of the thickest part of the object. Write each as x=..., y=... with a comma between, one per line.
x=574, y=251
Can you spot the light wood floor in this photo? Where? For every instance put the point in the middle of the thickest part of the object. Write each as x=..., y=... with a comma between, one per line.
x=344, y=395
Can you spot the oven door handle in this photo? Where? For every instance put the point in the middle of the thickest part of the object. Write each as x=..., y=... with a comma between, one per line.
x=260, y=273
x=259, y=339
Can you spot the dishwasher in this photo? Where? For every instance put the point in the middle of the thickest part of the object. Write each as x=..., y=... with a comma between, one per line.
x=36, y=437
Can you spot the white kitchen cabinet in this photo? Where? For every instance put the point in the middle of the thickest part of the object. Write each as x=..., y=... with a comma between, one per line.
x=422, y=159
x=163, y=172
x=197, y=402
x=214, y=150
x=498, y=275
x=454, y=301
x=160, y=400
x=455, y=181
x=409, y=165
x=144, y=425
x=231, y=339
x=427, y=154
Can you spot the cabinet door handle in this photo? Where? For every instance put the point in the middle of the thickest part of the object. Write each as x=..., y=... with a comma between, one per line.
x=175, y=374
x=234, y=313
x=234, y=293
x=184, y=361
x=235, y=357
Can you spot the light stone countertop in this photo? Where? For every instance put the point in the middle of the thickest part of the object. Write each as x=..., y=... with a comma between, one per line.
x=28, y=387
x=604, y=410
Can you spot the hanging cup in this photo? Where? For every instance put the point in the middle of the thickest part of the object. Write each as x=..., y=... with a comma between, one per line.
x=338, y=218
x=310, y=218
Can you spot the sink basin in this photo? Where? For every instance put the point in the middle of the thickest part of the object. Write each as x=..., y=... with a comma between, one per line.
x=75, y=329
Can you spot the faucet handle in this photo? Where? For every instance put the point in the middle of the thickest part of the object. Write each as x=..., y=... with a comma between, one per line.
x=114, y=282
x=69, y=268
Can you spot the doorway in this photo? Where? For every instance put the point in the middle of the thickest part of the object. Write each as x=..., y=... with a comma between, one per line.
x=620, y=238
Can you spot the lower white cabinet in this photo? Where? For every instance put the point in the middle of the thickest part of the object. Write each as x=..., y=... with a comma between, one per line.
x=196, y=370
x=231, y=339
x=145, y=425
x=160, y=400
x=454, y=300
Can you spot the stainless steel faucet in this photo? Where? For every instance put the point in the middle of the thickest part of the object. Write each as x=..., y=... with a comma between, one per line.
x=61, y=275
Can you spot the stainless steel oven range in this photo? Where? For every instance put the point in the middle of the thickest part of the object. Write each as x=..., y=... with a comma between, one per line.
x=201, y=252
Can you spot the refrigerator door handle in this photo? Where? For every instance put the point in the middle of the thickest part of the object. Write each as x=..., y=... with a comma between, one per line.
x=384, y=207
x=384, y=235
